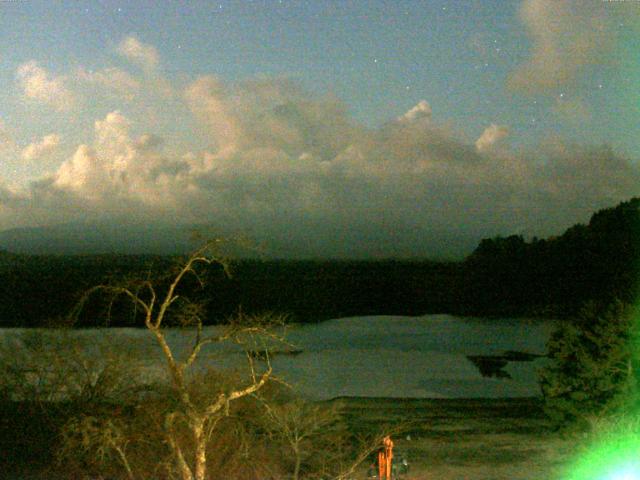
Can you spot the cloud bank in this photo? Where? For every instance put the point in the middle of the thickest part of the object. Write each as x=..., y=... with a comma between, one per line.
x=286, y=166
x=295, y=170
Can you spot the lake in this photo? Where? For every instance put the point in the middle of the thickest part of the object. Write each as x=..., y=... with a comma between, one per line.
x=379, y=356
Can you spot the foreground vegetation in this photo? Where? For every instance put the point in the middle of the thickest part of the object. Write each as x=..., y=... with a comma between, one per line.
x=69, y=413
x=195, y=421
x=446, y=439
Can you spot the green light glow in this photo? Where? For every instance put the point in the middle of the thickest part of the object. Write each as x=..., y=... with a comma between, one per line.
x=613, y=453
x=615, y=460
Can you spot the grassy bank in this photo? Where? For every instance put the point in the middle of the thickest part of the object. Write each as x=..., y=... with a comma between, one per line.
x=454, y=439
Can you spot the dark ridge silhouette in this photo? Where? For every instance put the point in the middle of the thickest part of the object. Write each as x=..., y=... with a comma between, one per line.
x=504, y=276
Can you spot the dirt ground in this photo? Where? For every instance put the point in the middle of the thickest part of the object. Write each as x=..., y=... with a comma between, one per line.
x=466, y=439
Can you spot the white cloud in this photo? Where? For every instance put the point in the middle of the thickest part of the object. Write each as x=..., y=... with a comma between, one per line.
x=37, y=84
x=44, y=147
x=75, y=172
x=112, y=80
x=566, y=35
x=118, y=169
x=421, y=110
x=490, y=136
x=271, y=114
x=208, y=99
x=283, y=164
x=144, y=55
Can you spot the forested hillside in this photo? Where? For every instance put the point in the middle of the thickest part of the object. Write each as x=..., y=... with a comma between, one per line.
x=597, y=261
x=504, y=276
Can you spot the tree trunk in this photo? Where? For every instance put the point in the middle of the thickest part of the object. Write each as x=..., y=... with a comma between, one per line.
x=296, y=470
x=201, y=451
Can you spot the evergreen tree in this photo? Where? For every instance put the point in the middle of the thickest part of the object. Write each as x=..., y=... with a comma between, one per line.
x=593, y=370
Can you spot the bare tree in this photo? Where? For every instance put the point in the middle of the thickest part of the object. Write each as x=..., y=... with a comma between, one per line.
x=199, y=415
x=300, y=423
x=317, y=440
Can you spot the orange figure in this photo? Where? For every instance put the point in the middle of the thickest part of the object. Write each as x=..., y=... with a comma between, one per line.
x=385, y=456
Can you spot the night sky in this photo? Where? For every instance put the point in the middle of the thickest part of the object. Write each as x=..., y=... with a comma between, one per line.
x=364, y=128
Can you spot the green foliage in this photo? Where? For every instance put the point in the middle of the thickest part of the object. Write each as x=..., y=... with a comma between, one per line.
x=593, y=365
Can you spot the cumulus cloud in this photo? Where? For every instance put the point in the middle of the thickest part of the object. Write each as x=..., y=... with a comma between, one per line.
x=118, y=168
x=112, y=80
x=144, y=55
x=491, y=135
x=44, y=147
x=269, y=114
x=566, y=35
x=75, y=173
x=37, y=84
x=282, y=164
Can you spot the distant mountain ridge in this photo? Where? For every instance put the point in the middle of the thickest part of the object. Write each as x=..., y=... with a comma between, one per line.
x=81, y=238
x=295, y=243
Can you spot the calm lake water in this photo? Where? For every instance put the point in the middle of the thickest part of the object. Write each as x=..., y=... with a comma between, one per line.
x=387, y=356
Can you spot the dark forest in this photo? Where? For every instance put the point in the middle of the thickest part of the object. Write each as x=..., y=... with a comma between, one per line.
x=504, y=276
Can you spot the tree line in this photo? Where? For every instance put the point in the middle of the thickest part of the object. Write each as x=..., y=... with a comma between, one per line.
x=557, y=276
x=504, y=276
